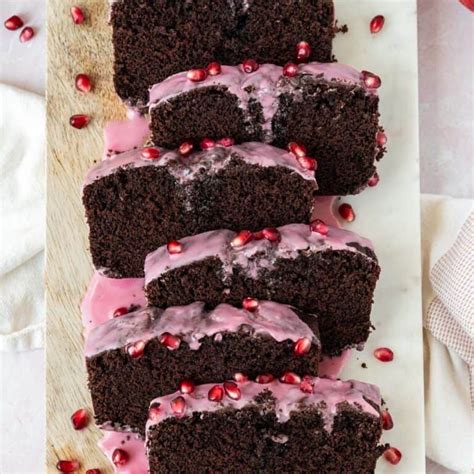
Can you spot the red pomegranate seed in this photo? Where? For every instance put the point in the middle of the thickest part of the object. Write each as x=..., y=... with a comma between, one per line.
x=150, y=153
x=271, y=234
x=298, y=149
x=290, y=70
x=291, y=378
x=214, y=68
x=381, y=138
x=169, y=341
x=80, y=419
x=120, y=457
x=302, y=346
x=79, y=121
x=154, y=412
x=240, y=378
x=469, y=4
x=346, y=212
x=242, y=238
x=387, y=422
x=68, y=466
x=186, y=386
x=207, y=143
x=120, y=312
x=303, y=51
x=374, y=180
x=371, y=80
x=174, y=246
x=306, y=386
x=185, y=148
x=178, y=405
x=93, y=471
x=258, y=235
x=249, y=65
x=83, y=83
x=77, y=15
x=226, y=141
x=376, y=24
x=13, y=23
x=196, y=75
x=264, y=378
x=307, y=163
x=250, y=304
x=384, y=354
x=26, y=34
x=319, y=226
x=216, y=393
x=392, y=455
x=232, y=391
x=136, y=349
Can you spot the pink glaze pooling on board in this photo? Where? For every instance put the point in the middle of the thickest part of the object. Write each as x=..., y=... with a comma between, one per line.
x=331, y=367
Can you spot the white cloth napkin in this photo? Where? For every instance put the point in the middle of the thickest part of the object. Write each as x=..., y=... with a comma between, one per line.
x=22, y=219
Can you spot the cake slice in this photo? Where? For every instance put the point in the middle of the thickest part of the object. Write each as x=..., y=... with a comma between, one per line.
x=320, y=425
x=332, y=275
x=154, y=39
x=139, y=200
x=326, y=111
x=137, y=357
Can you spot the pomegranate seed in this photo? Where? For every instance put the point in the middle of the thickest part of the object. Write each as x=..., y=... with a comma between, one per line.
x=136, y=349
x=374, y=180
x=346, y=212
x=178, y=405
x=77, y=15
x=249, y=65
x=232, y=391
x=290, y=70
x=93, y=471
x=240, y=378
x=197, y=75
x=185, y=148
x=392, y=455
x=319, y=226
x=83, y=83
x=79, y=121
x=258, y=235
x=169, y=341
x=174, y=246
x=120, y=312
x=371, y=80
x=207, y=143
x=26, y=34
x=469, y=4
x=186, y=386
x=214, y=68
x=302, y=346
x=226, y=141
x=264, y=378
x=306, y=386
x=154, y=412
x=307, y=163
x=242, y=238
x=13, y=23
x=291, y=378
x=216, y=393
x=387, y=422
x=271, y=234
x=381, y=138
x=384, y=354
x=298, y=149
x=150, y=153
x=120, y=457
x=68, y=466
x=250, y=304
x=303, y=51
x=376, y=24
x=80, y=419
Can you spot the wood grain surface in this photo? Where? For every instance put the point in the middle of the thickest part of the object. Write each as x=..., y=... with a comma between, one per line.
x=72, y=49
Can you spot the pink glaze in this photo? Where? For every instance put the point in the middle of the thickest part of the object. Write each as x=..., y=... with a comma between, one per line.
x=192, y=323
x=324, y=209
x=254, y=255
x=331, y=367
x=327, y=395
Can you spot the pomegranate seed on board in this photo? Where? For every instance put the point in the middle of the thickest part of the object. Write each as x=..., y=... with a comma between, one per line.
x=346, y=212
x=227, y=141
x=120, y=312
x=290, y=70
x=120, y=457
x=77, y=15
x=271, y=234
x=264, y=378
x=178, y=405
x=376, y=24
x=169, y=341
x=13, y=23
x=196, y=75
x=468, y=4
x=186, y=386
x=68, y=466
x=216, y=393
x=250, y=304
x=154, y=412
x=242, y=238
x=185, y=148
x=307, y=163
x=240, y=378
x=150, y=153
x=26, y=34
x=374, y=180
x=93, y=471
x=383, y=354
x=79, y=121
x=306, y=386
x=80, y=419
x=214, y=68
x=174, y=247
x=387, y=422
x=136, y=349
x=298, y=149
x=302, y=346
x=319, y=226
x=392, y=455
x=371, y=80
x=303, y=51
x=207, y=143
x=249, y=65
x=381, y=138
x=291, y=378
x=83, y=83
x=232, y=391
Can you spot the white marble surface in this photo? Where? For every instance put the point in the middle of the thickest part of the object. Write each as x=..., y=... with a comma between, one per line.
x=445, y=79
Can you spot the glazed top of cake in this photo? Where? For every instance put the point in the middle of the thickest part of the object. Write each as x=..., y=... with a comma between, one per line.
x=193, y=322
x=325, y=394
x=186, y=168
x=254, y=255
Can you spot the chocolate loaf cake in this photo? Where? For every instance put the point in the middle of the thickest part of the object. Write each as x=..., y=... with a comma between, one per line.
x=320, y=425
x=332, y=275
x=139, y=200
x=154, y=39
x=137, y=357
x=328, y=112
